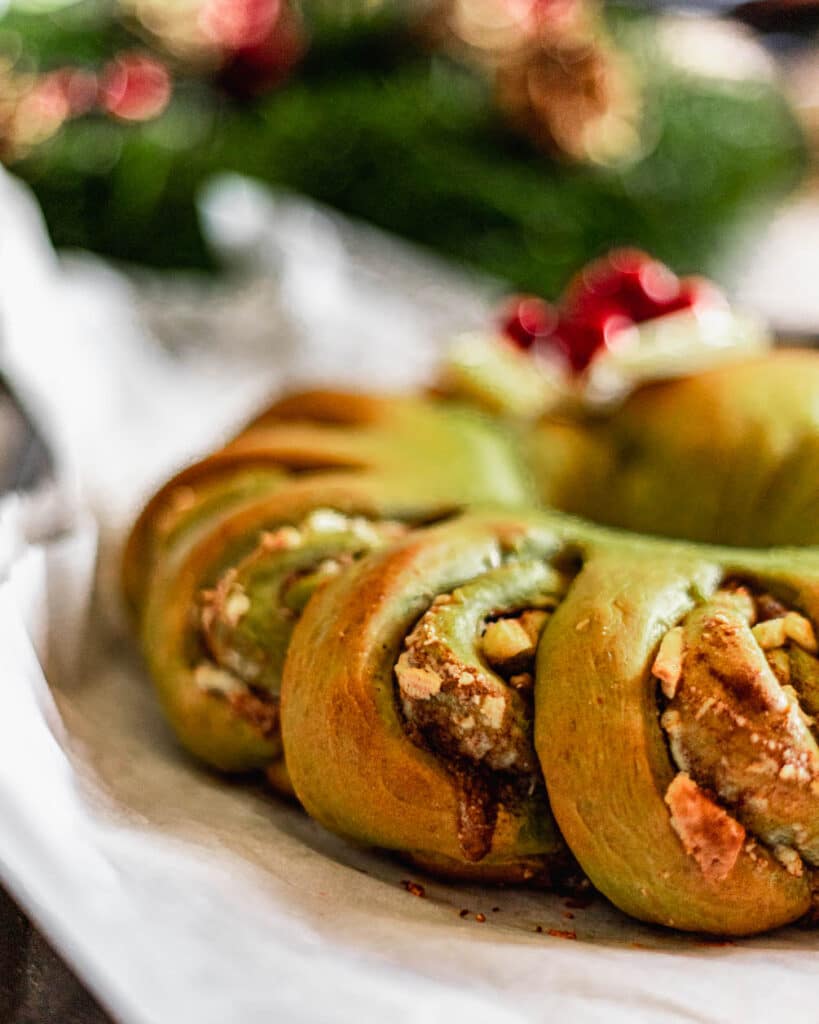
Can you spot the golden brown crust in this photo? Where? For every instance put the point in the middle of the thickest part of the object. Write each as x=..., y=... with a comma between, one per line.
x=374, y=781
x=322, y=405
x=216, y=668
x=431, y=454
x=617, y=822
x=364, y=762
x=726, y=456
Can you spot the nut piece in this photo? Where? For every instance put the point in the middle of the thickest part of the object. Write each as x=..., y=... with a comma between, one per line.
x=416, y=683
x=326, y=520
x=512, y=641
x=775, y=633
x=667, y=665
x=707, y=832
x=507, y=640
x=790, y=860
x=771, y=634
x=800, y=630
x=492, y=709
x=236, y=606
x=216, y=680
x=284, y=539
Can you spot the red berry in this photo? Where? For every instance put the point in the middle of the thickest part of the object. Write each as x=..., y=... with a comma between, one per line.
x=639, y=284
x=527, y=318
x=257, y=70
x=73, y=90
x=609, y=296
x=234, y=25
x=135, y=87
x=579, y=339
x=261, y=42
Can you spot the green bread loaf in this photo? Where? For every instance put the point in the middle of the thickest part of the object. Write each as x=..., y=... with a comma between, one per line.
x=728, y=456
x=457, y=784
x=381, y=686
x=223, y=559
x=628, y=779
x=506, y=695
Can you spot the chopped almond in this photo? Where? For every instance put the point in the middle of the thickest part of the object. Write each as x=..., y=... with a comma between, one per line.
x=790, y=860
x=211, y=679
x=800, y=630
x=507, y=640
x=236, y=606
x=283, y=539
x=326, y=520
x=416, y=683
x=492, y=709
x=707, y=832
x=667, y=665
x=771, y=634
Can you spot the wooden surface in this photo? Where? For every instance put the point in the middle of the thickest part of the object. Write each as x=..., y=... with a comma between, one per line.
x=35, y=985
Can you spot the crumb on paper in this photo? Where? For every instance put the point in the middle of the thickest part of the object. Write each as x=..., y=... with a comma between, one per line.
x=414, y=888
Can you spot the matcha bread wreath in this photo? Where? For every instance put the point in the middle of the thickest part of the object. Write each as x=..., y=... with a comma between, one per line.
x=224, y=557
x=660, y=691
x=359, y=597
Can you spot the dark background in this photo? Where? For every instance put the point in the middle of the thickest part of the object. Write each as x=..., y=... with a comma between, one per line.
x=35, y=985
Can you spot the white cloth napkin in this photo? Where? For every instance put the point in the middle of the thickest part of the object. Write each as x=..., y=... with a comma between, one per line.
x=182, y=897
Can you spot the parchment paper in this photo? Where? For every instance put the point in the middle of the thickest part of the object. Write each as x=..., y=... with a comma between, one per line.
x=179, y=896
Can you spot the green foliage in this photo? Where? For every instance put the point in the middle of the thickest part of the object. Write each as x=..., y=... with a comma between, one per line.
x=83, y=33
x=385, y=132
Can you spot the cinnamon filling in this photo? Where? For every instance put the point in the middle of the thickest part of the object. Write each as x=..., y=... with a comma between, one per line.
x=245, y=620
x=465, y=687
x=739, y=681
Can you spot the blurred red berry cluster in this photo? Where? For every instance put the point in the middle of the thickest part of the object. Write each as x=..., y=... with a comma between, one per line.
x=135, y=87
x=33, y=107
x=260, y=42
x=246, y=46
x=608, y=296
